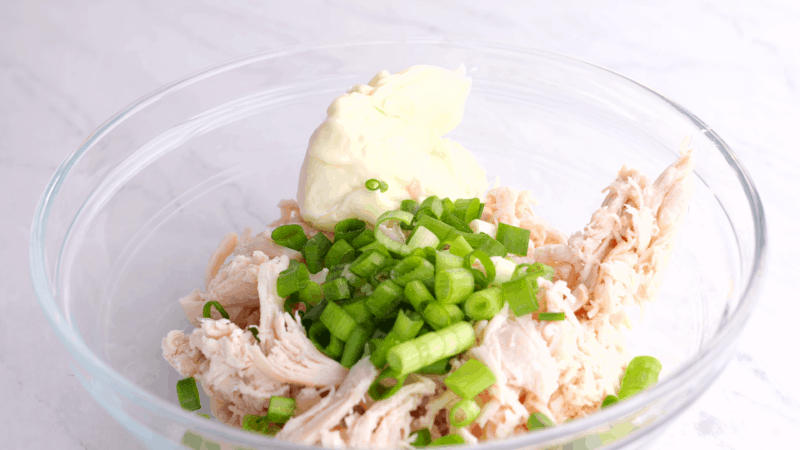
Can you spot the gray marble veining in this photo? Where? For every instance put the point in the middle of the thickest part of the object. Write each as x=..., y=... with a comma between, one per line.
x=67, y=66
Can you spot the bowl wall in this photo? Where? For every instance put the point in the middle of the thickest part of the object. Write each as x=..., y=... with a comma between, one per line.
x=130, y=220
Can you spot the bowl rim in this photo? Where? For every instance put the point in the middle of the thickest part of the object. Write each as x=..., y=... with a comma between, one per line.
x=724, y=337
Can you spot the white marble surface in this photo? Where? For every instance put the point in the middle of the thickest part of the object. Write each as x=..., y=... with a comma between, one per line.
x=66, y=66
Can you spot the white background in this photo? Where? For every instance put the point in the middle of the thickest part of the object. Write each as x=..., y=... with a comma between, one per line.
x=66, y=66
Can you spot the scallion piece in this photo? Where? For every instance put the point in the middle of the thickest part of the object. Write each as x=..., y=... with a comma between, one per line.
x=434, y=204
x=292, y=279
x=535, y=269
x=311, y=293
x=385, y=297
x=454, y=285
x=422, y=238
x=440, y=367
x=325, y=342
x=504, y=269
x=281, y=409
x=481, y=280
x=467, y=209
x=258, y=424
x=418, y=295
x=357, y=309
x=387, y=383
x=436, y=315
x=455, y=222
x=363, y=239
x=393, y=246
x=641, y=373
x=368, y=263
x=203, y=415
x=460, y=247
x=373, y=184
x=290, y=236
x=490, y=246
x=338, y=321
x=469, y=380
x=375, y=245
x=422, y=438
x=354, y=347
x=336, y=290
x=538, y=421
x=455, y=313
x=340, y=253
x=410, y=269
x=514, y=239
x=437, y=227
x=520, y=295
x=450, y=439
x=484, y=304
x=314, y=252
x=552, y=316
x=446, y=261
x=292, y=301
x=254, y=332
x=188, y=396
x=407, y=325
x=409, y=206
x=464, y=413
x=413, y=355
x=348, y=229
x=218, y=307
x=378, y=357
x=609, y=400
x=447, y=205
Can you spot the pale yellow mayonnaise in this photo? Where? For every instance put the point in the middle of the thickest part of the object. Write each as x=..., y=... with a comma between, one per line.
x=390, y=130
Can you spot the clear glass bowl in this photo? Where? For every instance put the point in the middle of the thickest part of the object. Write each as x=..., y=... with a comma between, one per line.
x=129, y=220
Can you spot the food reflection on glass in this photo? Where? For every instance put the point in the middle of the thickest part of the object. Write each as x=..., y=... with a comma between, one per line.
x=400, y=301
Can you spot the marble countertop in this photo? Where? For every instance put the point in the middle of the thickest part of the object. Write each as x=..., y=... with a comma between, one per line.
x=65, y=67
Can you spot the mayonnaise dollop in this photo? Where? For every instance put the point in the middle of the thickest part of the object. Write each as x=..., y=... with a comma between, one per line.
x=391, y=130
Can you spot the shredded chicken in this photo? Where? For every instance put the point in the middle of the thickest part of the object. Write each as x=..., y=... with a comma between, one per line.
x=506, y=205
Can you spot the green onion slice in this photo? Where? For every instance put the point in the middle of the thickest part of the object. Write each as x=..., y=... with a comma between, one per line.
x=552, y=316
x=386, y=384
x=538, y=421
x=440, y=367
x=454, y=285
x=292, y=279
x=469, y=380
x=340, y=253
x=348, y=229
x=281, y=409
x=464, y=413
x=450, y=439
x=218, y=307
x=290, y=236
x=188, y=396
x=609, y=400
x=418, y=295
x=254, y=332
x=336, y=290
x=393, y=246
x=338, y=321
x=372, y=184
x=536, y=269
x=422, y=438
x=521, y=295
x=314, y=251
x=413, y=355
x=385, y=297
x=514, y=239
x=354, y=347
x=641, y=373
x=481, y=280
x=484, y=304
x=410, y=269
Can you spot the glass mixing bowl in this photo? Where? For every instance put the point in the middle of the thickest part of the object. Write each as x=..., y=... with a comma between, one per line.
x=128, y=222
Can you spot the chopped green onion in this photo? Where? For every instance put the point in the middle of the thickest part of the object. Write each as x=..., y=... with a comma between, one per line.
x=311, y=293
x=336, y=290
x=258, y=424
x=338, y=321
x=203, y=415
x=410, y=206
x=384, y=186
x=467, y=209
x=188, y=396
x=218, y=307
x=348, y=229
x=447, y=205
x=460, y=247
x=455, y=313
x=292, y=301
x=454, y=285
x=423, y=237
x=281, y=409
x=469, y=380
x=447, y=261
x=514, y=239
x=422, y=439
x=352, y=279
x=290, y=236
x=436, y=315
x=357, y=309
x=373, y=345
x=535, y=269
x=552, y=316
x=375, y=245
x=641, y=373
x=609, y=400
x=373, y=185
x=440, y=367
x=464, y=413
x=335, y=272
x=504, y=269
x=406, y=326
x=455, y=222
x=312, y=315
x=378, y=357
x=292, y=279
x=418, y=295
x=480, y=279
x=404, y=218
x=385, y=297
x=368, y=263
x=484, y=304
x=315, y=250
x=354, y=347
x=254, y=332
x=363, y=239
x=521, y=295
x=538, y=421
x=335, y=348
x=386, y=384
x=429, y=348
x=325, y=342
x=340, y=253
x=437, y=227
x=434, y=204
x=450, y=439
x=491, y=246
x=410, y=269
